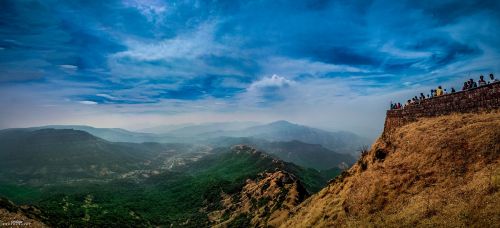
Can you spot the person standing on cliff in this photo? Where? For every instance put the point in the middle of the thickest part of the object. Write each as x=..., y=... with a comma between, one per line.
x=481, y=81
x=492, y=79
x=439, y=91
x=393, y=105
x=422, y=96
x=465, y=87
x=472, y=84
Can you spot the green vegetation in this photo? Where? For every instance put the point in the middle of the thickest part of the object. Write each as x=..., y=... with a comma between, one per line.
x=19, y=193
x=179, y=198
x=77, y=179
x=304, y=154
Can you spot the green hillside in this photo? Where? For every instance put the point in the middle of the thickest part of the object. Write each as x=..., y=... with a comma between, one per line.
x=61, y=155
x=77, y=179
x=180, y=197
x=304, y=154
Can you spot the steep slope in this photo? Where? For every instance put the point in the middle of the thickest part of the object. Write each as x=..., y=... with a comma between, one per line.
x=12, y=215
x=435, y=172
x=264, y=201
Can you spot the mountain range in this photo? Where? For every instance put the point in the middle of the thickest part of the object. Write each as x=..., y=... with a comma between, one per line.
x=306, y=146
x=341, y=141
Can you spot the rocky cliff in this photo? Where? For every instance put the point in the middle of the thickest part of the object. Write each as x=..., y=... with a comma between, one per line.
x=264, y=201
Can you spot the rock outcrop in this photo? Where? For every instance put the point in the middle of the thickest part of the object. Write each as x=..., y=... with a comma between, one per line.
x=265, y=201
x=12, y=215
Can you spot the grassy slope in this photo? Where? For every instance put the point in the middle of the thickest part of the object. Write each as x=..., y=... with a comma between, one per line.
x=437, y=172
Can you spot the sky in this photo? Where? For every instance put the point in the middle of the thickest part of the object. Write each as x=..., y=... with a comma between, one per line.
x=141, y=63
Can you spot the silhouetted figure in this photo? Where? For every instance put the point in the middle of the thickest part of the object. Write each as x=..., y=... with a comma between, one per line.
x=481, y=81
x=439, y=91
x=472, y=84
x=394, y=105
x=465, y=87
x=492, y=79
x=422, y=96
x=453, y=90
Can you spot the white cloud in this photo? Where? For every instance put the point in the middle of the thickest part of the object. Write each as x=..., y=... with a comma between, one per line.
x=106, y=96
x=68, y=67
x=297, y=67
x=71, y=69
x=182, y=56
x=151, y=9
x=189, y=45
x=273, y=81
x=87, y=102
x=394, y=51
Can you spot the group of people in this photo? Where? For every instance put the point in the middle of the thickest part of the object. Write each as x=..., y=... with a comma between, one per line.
x=470, y=84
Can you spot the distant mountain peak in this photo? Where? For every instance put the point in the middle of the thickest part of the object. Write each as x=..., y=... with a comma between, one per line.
x=282, y=123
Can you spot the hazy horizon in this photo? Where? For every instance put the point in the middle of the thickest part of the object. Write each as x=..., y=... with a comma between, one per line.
x=157, y=129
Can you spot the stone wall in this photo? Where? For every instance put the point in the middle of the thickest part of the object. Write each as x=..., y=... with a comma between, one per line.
x=483, y=98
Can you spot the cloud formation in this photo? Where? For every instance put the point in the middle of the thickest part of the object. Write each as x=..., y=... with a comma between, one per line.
x=259, y=60
x=87, y=102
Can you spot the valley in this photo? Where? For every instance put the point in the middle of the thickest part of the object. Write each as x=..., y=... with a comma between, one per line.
x=78, y=179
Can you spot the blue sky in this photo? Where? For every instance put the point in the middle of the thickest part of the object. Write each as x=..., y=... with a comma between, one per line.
x=333, y=64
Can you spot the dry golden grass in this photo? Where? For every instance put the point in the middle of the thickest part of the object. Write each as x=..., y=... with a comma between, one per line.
x=10, y=219
x=441, y=171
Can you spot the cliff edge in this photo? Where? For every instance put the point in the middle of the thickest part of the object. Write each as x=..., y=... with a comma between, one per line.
x=435, y=171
